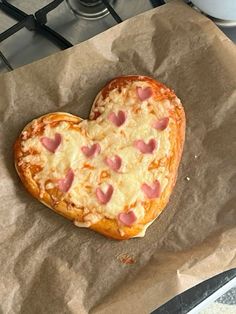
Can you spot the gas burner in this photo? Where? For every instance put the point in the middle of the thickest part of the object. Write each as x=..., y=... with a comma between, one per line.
x=89, y=9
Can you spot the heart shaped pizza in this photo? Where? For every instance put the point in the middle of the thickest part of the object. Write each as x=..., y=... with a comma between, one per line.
x=114, y=172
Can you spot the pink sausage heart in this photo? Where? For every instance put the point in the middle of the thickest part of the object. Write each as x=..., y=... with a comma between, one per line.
x=104, y=197
x=117, y=119
x=143, y=93
x=146, y=148
x=51, y=144
x=91, y=151
x=127, y=218
x=152, y=191
x=114, y=164
x=161, y=124
x=65, y=183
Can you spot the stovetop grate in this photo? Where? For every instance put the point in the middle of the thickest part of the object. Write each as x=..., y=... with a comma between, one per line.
x=37, y=22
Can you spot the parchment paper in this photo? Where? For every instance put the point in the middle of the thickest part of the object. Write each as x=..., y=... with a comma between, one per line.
x=50, y=266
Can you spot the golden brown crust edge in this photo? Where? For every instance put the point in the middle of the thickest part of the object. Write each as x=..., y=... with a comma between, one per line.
x=107, y=226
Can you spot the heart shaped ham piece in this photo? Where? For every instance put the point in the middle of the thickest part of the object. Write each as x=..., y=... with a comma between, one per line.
x=91, y=151
x=114, y=163
x=117, y=119
x=161, y=124
x=145, y=148
x=104, y=197
x=51, y=144
x=152, y=191
x=127, y=219
x=114, y=172
x=65, y=183
x=143, y=93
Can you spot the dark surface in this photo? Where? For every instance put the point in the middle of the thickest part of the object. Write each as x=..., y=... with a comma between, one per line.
x=189, y=299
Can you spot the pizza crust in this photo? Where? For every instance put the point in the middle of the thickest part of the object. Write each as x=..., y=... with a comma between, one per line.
x=106, y=226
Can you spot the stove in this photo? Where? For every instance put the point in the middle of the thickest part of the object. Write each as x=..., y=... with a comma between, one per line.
x=31, y=30
x=92, y=9
x=46, y=27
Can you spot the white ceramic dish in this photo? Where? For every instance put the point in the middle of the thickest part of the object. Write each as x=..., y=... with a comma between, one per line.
x=221, y=9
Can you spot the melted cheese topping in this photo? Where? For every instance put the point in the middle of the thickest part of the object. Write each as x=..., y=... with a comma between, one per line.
x=93, y=173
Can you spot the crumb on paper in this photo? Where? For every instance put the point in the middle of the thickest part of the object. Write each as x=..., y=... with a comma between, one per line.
x=126, y=259
x=187, y=178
